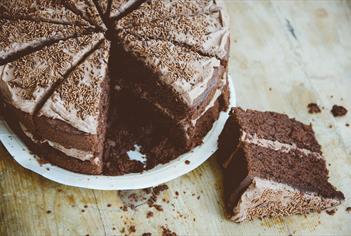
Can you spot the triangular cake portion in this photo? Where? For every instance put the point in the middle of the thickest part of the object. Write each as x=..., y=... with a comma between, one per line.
x=73, y=119
x=203, y=33
x=178, y=82
x=27, y=81
x=273, y=166
x=40, y=10
x=87, y=10
x=23, y=35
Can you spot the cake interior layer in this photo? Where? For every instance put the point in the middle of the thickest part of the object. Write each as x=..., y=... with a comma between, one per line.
x=139, y=125
x=275, y=126
x=296, y=169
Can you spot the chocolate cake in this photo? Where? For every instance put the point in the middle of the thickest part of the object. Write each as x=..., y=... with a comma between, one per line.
x=84, y=82
x=273, y=166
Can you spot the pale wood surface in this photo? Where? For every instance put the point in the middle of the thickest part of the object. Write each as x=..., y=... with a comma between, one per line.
x=273, y=69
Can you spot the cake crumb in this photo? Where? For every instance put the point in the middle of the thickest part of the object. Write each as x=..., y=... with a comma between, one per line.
x=167, y=232
x=48, y=212
x=85, y=206
x=347, y=125
x=331, y=212
x=158, y=207
x=146, y=234
x=132, y=229
x=187, y=162
x=348, y=209
x=124, y=208
x=330, y=126
x=338, y=111
x=313, y=108
x=149, y=214
x=109, y=205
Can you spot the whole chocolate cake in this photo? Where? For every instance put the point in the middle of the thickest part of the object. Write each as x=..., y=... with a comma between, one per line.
x=273, y=166
x=85, y=82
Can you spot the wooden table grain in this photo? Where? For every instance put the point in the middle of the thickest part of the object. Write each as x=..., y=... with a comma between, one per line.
x=284, y=55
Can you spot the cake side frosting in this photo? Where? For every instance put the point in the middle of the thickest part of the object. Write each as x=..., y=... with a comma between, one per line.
x=266, y=198
x=76, y=101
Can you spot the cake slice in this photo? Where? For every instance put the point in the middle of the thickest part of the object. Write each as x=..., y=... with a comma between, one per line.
x=177, y=82
x=27, y=81
x=21, y=35
x=207, y=34
x=73, y=119
x=273, y=166
x=87, y=10
x=40, y=10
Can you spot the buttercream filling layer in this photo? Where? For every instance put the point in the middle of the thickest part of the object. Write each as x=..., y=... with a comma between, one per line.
x=276, y=145
x=72, y=152
x=270, y=144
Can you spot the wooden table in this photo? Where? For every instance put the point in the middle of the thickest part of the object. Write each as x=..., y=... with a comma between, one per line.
x=284, y=55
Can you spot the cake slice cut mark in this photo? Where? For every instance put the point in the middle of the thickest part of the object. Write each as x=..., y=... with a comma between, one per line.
x=132, y=7
x=40, y=10
x=32, y=36
x=104, y=13
x=88, y=11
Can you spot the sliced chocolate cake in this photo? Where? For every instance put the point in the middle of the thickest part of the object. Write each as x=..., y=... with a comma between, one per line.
x=40, y=10
x=22, y=36
x=166, y=89
x=273, y=166
x=27, y=81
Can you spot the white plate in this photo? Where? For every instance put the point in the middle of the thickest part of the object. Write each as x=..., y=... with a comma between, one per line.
x=158, y=175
